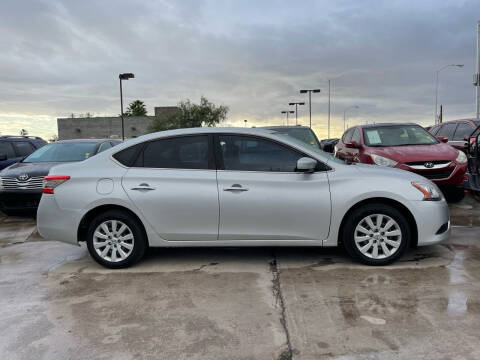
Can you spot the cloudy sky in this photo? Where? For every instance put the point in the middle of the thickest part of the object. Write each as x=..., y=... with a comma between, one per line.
x=62, y=57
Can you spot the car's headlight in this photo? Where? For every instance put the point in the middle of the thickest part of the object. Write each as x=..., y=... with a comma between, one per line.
x=383, y=161
x=461, y=157
x=429, y=191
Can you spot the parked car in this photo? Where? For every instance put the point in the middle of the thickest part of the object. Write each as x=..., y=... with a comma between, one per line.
x=302, y=133
x=236, y=187
x=456, y=132
x=21, y=183
x=14, y=148
x=328, y=145
x=408, y=147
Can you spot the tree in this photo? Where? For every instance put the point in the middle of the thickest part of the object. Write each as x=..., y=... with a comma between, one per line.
x=136, y=108
x=191, y=115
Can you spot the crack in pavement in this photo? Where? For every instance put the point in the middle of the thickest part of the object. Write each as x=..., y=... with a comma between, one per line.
x=277, y=293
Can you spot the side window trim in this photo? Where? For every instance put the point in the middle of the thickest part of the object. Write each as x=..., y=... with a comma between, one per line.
x=219, y=156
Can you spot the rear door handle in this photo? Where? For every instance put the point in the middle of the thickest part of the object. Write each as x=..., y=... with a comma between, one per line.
x=144, y=187
x=236, y=187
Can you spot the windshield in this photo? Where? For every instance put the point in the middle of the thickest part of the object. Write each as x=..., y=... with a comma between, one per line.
x=398, y=135
x=62, y=152
x=305, y=135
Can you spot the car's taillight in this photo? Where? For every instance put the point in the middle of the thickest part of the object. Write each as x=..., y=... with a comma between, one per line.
x=51, y=182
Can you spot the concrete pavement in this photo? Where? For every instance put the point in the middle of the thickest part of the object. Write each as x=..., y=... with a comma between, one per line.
x=240, y=303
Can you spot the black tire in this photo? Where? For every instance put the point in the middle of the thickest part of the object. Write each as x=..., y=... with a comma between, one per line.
x=355, y=217
x=453, y=194
x=139, y=243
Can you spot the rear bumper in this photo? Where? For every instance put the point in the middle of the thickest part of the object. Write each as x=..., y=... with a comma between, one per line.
x=57, y=224
x=20, y=200
x=433, y=221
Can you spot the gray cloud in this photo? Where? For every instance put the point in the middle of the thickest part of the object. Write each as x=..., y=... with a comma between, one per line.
x=60, y=57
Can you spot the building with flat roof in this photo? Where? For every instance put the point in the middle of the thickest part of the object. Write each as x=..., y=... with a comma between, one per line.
x=110, y=126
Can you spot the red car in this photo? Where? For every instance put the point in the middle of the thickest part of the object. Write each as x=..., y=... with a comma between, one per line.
x=404, y=146
x=456, y=132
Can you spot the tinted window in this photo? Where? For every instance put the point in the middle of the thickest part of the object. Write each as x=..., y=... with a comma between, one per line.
x=463, y=129
x=397, y=135
x=303, y=134
x=23, y=148
x=254, y=154
x=356, y=136
x=447, y=131
x=347, y=136
x=434, y=130
x=187, y=152
x=128, y=156
x=7, y=149
x=104, y=146
x=63, y=152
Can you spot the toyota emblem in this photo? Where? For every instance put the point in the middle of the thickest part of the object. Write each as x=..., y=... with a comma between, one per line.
x=428, y=165
x=23, y=177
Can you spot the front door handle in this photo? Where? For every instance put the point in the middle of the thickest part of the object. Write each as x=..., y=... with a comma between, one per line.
x=143, y=186
x=235, y=187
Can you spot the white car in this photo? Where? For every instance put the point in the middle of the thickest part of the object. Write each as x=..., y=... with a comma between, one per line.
x=236, y=187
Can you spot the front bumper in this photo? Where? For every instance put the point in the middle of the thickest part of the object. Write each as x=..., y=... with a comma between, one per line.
x=452, y=175
x=433, y=221
x=20, y=200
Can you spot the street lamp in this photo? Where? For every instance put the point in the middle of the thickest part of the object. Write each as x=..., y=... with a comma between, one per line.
x=296, y=109
x=287, y=112
x=310, y=100
x=345, y=112
x=436, y=86
x=124, y=76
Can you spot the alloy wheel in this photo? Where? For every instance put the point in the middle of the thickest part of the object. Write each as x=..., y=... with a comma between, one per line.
x=378, y=236
x=113, y=240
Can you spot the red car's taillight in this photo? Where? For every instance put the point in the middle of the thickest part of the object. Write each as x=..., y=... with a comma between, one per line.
x=51, y=182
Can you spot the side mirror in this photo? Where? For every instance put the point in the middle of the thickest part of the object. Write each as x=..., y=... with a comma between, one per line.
x=443, y=139
x=306, y=164
x=352, y=145
x=3, y=157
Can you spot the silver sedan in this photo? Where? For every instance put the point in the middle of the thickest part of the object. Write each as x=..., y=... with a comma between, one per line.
x=236, y=187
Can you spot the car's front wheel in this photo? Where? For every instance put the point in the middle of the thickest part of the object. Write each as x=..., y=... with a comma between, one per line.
x=376, y=234
x=116, y=240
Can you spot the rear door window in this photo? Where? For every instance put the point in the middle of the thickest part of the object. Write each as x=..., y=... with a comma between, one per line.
x=23, y=148
x=183, y=152
x=463, y=129
x=7, y=149
x=447, y=131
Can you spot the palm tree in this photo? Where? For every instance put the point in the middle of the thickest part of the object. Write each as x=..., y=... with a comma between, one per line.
x=136, y=108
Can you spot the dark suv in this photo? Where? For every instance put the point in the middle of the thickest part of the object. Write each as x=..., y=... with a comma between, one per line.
x=15, y=148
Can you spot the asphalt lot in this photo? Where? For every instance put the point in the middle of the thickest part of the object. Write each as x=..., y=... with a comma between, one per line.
x=240, y=303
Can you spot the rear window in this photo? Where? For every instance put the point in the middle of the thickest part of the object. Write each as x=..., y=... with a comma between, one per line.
x=128, y=156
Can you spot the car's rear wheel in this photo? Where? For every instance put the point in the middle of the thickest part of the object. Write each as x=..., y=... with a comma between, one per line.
x=116, y=240
x=376, y=234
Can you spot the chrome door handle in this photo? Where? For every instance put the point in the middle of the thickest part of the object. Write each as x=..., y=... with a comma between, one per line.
x=235, y=187
x=143, y=186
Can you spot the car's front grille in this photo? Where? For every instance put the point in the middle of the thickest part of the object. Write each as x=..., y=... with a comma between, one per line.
x=10, y=183
x=437, y=175
x=434, y=162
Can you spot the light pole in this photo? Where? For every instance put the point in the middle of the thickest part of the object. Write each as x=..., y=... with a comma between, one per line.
x=436, y=86
x=310, y=100
x=345, y=112
x=296, y=109
x=287, y=112
x=328, y=109
x=245, y=121
x=124, y=76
